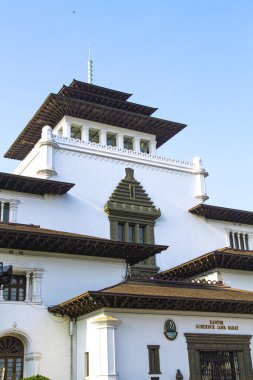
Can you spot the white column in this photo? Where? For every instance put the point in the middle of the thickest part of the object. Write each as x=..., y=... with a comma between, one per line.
x=152, y=147
x=2, y=211
x=200, y=174
x=13, y=211
x=1, y=293
x=106, y=361
x=136, y=144
x=239, y=240
x=47, y=145
x=233, y=238
x=245, y=241
x=120, y=141
x=66, y=129
x=102, y=137
x=27, y=297
x=85, y=133
x=36, y=286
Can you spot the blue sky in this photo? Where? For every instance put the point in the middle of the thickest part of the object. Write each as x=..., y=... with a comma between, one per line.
x=192, y=59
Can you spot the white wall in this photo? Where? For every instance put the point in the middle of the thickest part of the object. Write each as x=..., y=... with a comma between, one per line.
x=43, y=334
x=96, y=171
x=136, y=331
x=66, y=276
x=45, y=337
x=238, y=279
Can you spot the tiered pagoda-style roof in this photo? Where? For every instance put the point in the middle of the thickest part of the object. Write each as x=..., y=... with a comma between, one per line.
x=95, y=103
x=226, y=258
x=129, y=197
x=31, y=185
x=222, y=213
x=159, y=295
x=33, y=238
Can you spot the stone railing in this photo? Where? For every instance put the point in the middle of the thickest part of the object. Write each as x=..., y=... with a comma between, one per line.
x=130, y=153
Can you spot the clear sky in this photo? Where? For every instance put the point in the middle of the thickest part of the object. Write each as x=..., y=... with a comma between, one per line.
x=193, y=59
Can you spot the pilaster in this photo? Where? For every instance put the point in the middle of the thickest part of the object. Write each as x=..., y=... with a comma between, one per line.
x=66, y=129
x=85, y=133
x=152, y=147
x=200, y=173
x=36, y=286
x=47, y=145
x=1, y=293
x=106, y=360
x=102, y=137
x=120, y=141
x=136, y=144
x=13, y=211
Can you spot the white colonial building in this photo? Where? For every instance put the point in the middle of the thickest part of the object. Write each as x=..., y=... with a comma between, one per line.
x=120, y=268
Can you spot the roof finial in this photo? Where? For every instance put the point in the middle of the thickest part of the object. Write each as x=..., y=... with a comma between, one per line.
x=90, y=69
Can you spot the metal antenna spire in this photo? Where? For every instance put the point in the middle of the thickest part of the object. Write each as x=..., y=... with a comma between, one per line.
x=90, y=68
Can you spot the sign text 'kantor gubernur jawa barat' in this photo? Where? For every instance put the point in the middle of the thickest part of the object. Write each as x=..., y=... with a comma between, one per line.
x=216, y=325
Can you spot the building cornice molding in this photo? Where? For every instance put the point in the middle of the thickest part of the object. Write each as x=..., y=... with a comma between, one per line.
x=79, y=147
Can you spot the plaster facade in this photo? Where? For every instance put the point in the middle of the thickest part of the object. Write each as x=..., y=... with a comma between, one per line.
x=116, y=340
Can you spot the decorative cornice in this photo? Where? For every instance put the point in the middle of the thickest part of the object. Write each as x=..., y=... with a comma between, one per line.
x=124, y=154
x=124, y=209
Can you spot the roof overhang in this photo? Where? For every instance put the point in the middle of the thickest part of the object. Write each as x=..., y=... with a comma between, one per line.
x=226, y=258
x=93, y=301
x=33, y=185
x=33, y=238
x=84, y=101
x=223, y=214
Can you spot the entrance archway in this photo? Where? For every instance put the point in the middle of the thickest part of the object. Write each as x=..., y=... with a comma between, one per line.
x=12, y=357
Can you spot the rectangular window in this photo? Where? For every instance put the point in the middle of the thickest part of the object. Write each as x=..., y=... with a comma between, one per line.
x=111, y=139
x=5, y=212
x=154, y=359
x=76, y=132
x=131, y=233
x=128, y=143
x=94, y=135
x=120, y=231
x=144, y=147
x=87, y=364
x=239, y=240
x=142, y=234
x=16, y=291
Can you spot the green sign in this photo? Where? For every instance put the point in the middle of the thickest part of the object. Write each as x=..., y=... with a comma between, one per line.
x=170, y=329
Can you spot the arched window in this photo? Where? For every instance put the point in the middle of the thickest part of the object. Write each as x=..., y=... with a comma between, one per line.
x=11, y=357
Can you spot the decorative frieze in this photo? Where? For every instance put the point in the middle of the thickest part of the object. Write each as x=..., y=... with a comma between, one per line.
x=121, y=153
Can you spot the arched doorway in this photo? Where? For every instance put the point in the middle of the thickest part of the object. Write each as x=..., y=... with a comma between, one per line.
x=11, y=357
